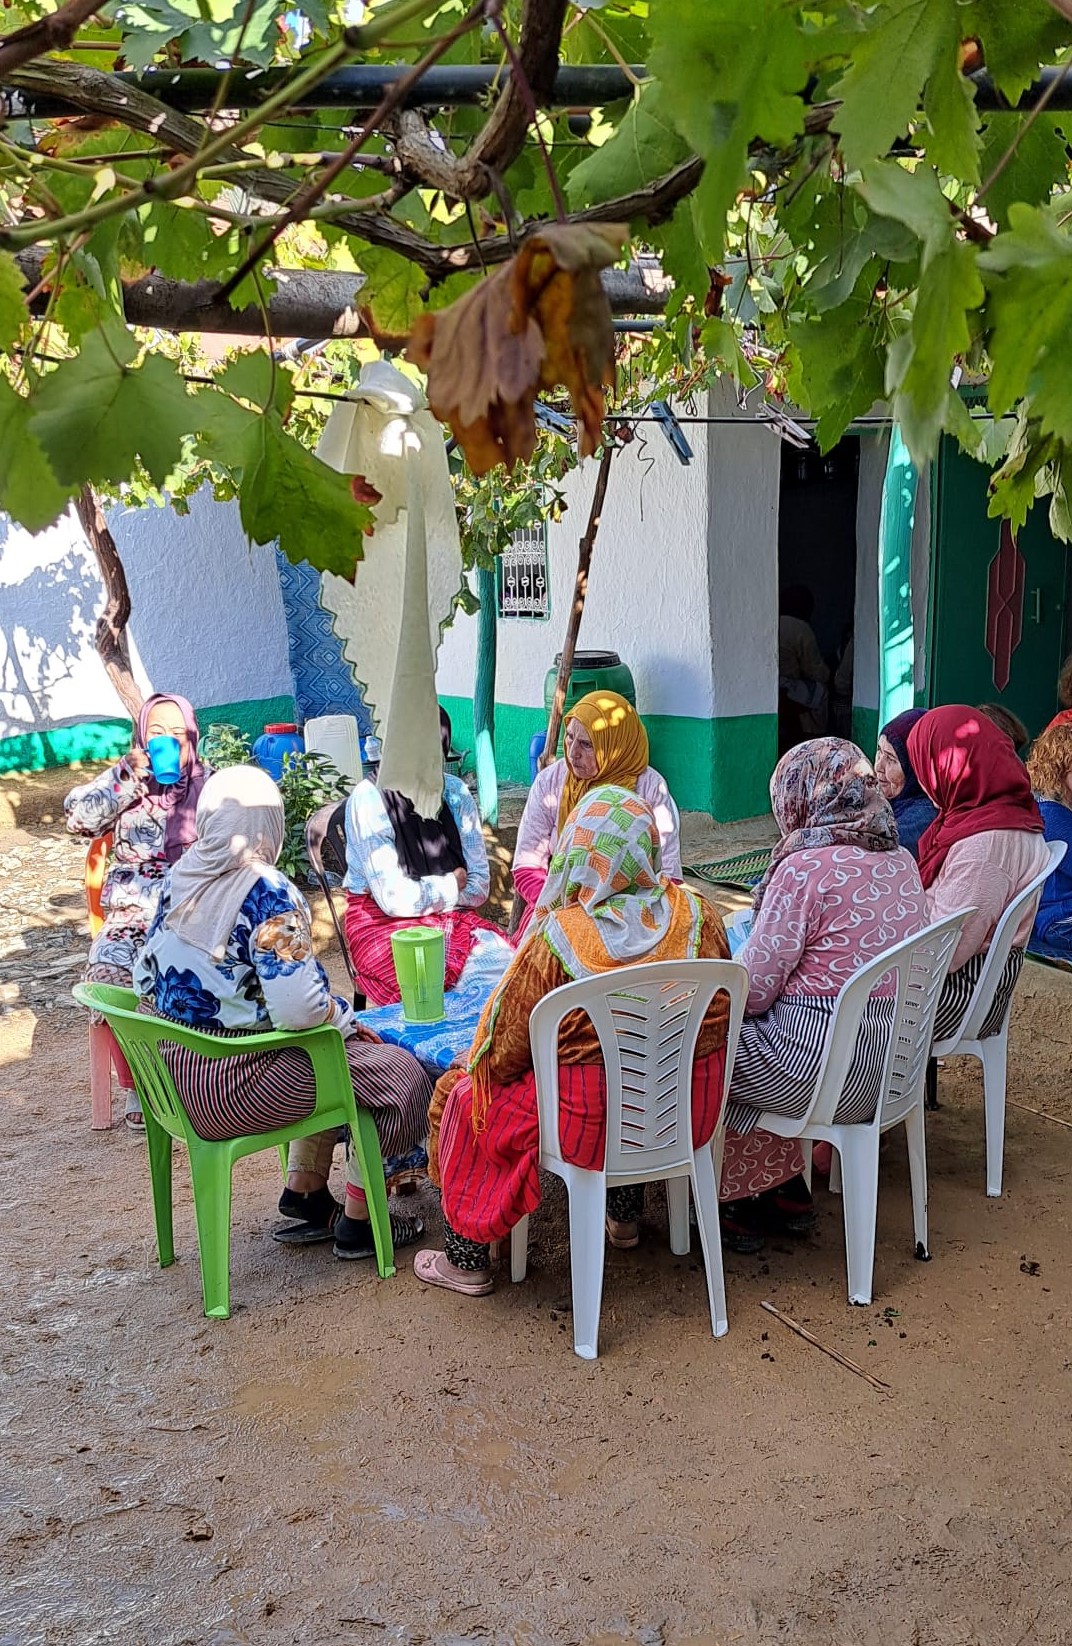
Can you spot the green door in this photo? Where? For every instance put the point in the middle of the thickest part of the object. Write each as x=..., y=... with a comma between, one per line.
x=997, y=601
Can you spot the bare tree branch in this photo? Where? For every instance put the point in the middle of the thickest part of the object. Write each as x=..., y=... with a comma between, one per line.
x=111, y=637
x=52, y=33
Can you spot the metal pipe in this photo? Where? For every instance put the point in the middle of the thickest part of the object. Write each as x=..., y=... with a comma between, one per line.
x=578, y=86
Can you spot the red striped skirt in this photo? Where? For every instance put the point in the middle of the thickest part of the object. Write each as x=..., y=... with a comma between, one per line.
x=491, y=1179
x=369, y=931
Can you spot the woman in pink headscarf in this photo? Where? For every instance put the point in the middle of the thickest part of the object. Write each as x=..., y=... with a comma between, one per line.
x=152, y=825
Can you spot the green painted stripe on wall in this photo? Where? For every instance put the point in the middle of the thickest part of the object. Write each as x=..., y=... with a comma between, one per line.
x=93, y=740
x=64, y=745
x=717, y=766
x=865, y=730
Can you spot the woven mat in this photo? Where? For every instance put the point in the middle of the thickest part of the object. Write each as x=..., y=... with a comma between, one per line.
x=744, y=870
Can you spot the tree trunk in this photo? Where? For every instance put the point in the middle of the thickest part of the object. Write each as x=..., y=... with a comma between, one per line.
x=580, y=591
x=111, y=635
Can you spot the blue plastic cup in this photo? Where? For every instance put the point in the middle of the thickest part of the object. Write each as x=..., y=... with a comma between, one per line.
x=165, y=757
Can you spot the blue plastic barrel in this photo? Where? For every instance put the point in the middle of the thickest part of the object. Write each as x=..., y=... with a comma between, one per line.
x=536, y=748
x=277, y=741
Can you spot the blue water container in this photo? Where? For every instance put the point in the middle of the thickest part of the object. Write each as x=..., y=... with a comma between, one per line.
x=536, y=748
x=277, y=741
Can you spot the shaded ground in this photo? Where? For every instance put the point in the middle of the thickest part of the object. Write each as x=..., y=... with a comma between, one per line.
x=349, y=1460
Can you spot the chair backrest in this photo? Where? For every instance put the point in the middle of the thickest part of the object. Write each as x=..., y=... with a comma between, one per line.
x=1001, y=946
x=140, y=1036
x=97, y=854
x=648, y=1019
x=920, y=965
x=325, y=838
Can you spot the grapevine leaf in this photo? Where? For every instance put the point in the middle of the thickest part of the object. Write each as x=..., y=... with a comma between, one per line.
x=29, y=491
x=913, y=198
x=13, y=311
x=97, y=412
x=289, y=496
x=181, y=243
x=394, y=288
x=891, y=60
x=837, y=374
x=208, y=31
x=736, y=75
x=1030, y=312
x=645, y=146
x=921, y=362
x=682, y=254
x=1037, y=162
x=1016, y=38
x=952, y=143
x=250, y=376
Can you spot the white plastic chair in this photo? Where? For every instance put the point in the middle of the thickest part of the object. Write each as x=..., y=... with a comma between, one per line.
x=993, y=1052
x=648, y=1019
x=921, y=964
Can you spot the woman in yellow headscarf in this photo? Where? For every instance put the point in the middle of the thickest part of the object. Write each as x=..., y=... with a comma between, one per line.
x=605, y=742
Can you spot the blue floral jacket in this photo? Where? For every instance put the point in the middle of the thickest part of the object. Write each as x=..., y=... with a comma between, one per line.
x=269, y=976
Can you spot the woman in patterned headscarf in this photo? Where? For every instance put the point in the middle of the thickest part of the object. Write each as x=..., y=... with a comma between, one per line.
x=606, y=904
x=839, y=891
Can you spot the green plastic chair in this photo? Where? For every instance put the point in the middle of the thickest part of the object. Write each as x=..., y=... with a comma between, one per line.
x=211, y=1164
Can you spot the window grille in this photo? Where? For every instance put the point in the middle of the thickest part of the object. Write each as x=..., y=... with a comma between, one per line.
x=523, y=576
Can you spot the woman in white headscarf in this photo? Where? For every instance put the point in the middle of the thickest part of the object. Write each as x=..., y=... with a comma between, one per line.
x=230, y=952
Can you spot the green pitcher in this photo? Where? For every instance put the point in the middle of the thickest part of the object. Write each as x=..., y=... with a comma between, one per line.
x=419, y=955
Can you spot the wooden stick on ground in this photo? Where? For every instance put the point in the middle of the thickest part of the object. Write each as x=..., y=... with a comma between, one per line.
x=842, y=1360
x=1040, y=1112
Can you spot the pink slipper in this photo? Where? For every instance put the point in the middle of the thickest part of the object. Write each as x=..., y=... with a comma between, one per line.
x=432, y=1267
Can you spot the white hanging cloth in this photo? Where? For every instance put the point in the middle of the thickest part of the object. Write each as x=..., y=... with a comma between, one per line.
x=391, y=617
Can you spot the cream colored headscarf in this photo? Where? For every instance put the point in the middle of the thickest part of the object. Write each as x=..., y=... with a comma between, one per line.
x=239, y=834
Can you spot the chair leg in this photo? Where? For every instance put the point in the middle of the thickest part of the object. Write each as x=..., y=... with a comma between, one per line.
x=858, y=1147
x=916, y=1133
x=677, y=1204
x=993, y=1054
x=519, y=1251
x=158, y=1148
x=834, y=1181
x=587, y=1229
x=366, y=1143
x=705, y=1196
x=101, y=1041
x=210, y=1174
x=806, y=1151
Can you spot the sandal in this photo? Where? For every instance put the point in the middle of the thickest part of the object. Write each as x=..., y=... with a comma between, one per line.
x=435, y=1269
x=353, y=1235
x=315, y=1215
x=133, y=1119
x=623, y=1236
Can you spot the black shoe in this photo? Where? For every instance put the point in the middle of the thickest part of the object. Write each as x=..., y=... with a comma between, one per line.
x=353, y=1235
x=315, y=1216
x=738, y=1233
x=788, y=1209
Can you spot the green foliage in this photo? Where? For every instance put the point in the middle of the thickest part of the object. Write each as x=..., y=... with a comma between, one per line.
x=858, y=232
x=308, y=782
x=225, y=745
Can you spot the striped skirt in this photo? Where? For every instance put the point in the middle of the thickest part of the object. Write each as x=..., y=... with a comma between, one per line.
x=369, y=932
x=255, y=1092
x=957, y=991
x=779, y=1054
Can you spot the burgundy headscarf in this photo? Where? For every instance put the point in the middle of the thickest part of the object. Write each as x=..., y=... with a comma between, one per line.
x=976, y=779
x=825, y=793
x=179, y=799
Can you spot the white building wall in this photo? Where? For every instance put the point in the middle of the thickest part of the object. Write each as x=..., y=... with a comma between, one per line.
x=647, y=595
x=744, y=481
x=207, y=617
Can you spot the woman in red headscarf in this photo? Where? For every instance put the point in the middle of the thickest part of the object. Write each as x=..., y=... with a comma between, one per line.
x=983, y=848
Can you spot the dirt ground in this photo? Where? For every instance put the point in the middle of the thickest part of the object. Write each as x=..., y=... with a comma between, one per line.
x=349, y=1460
